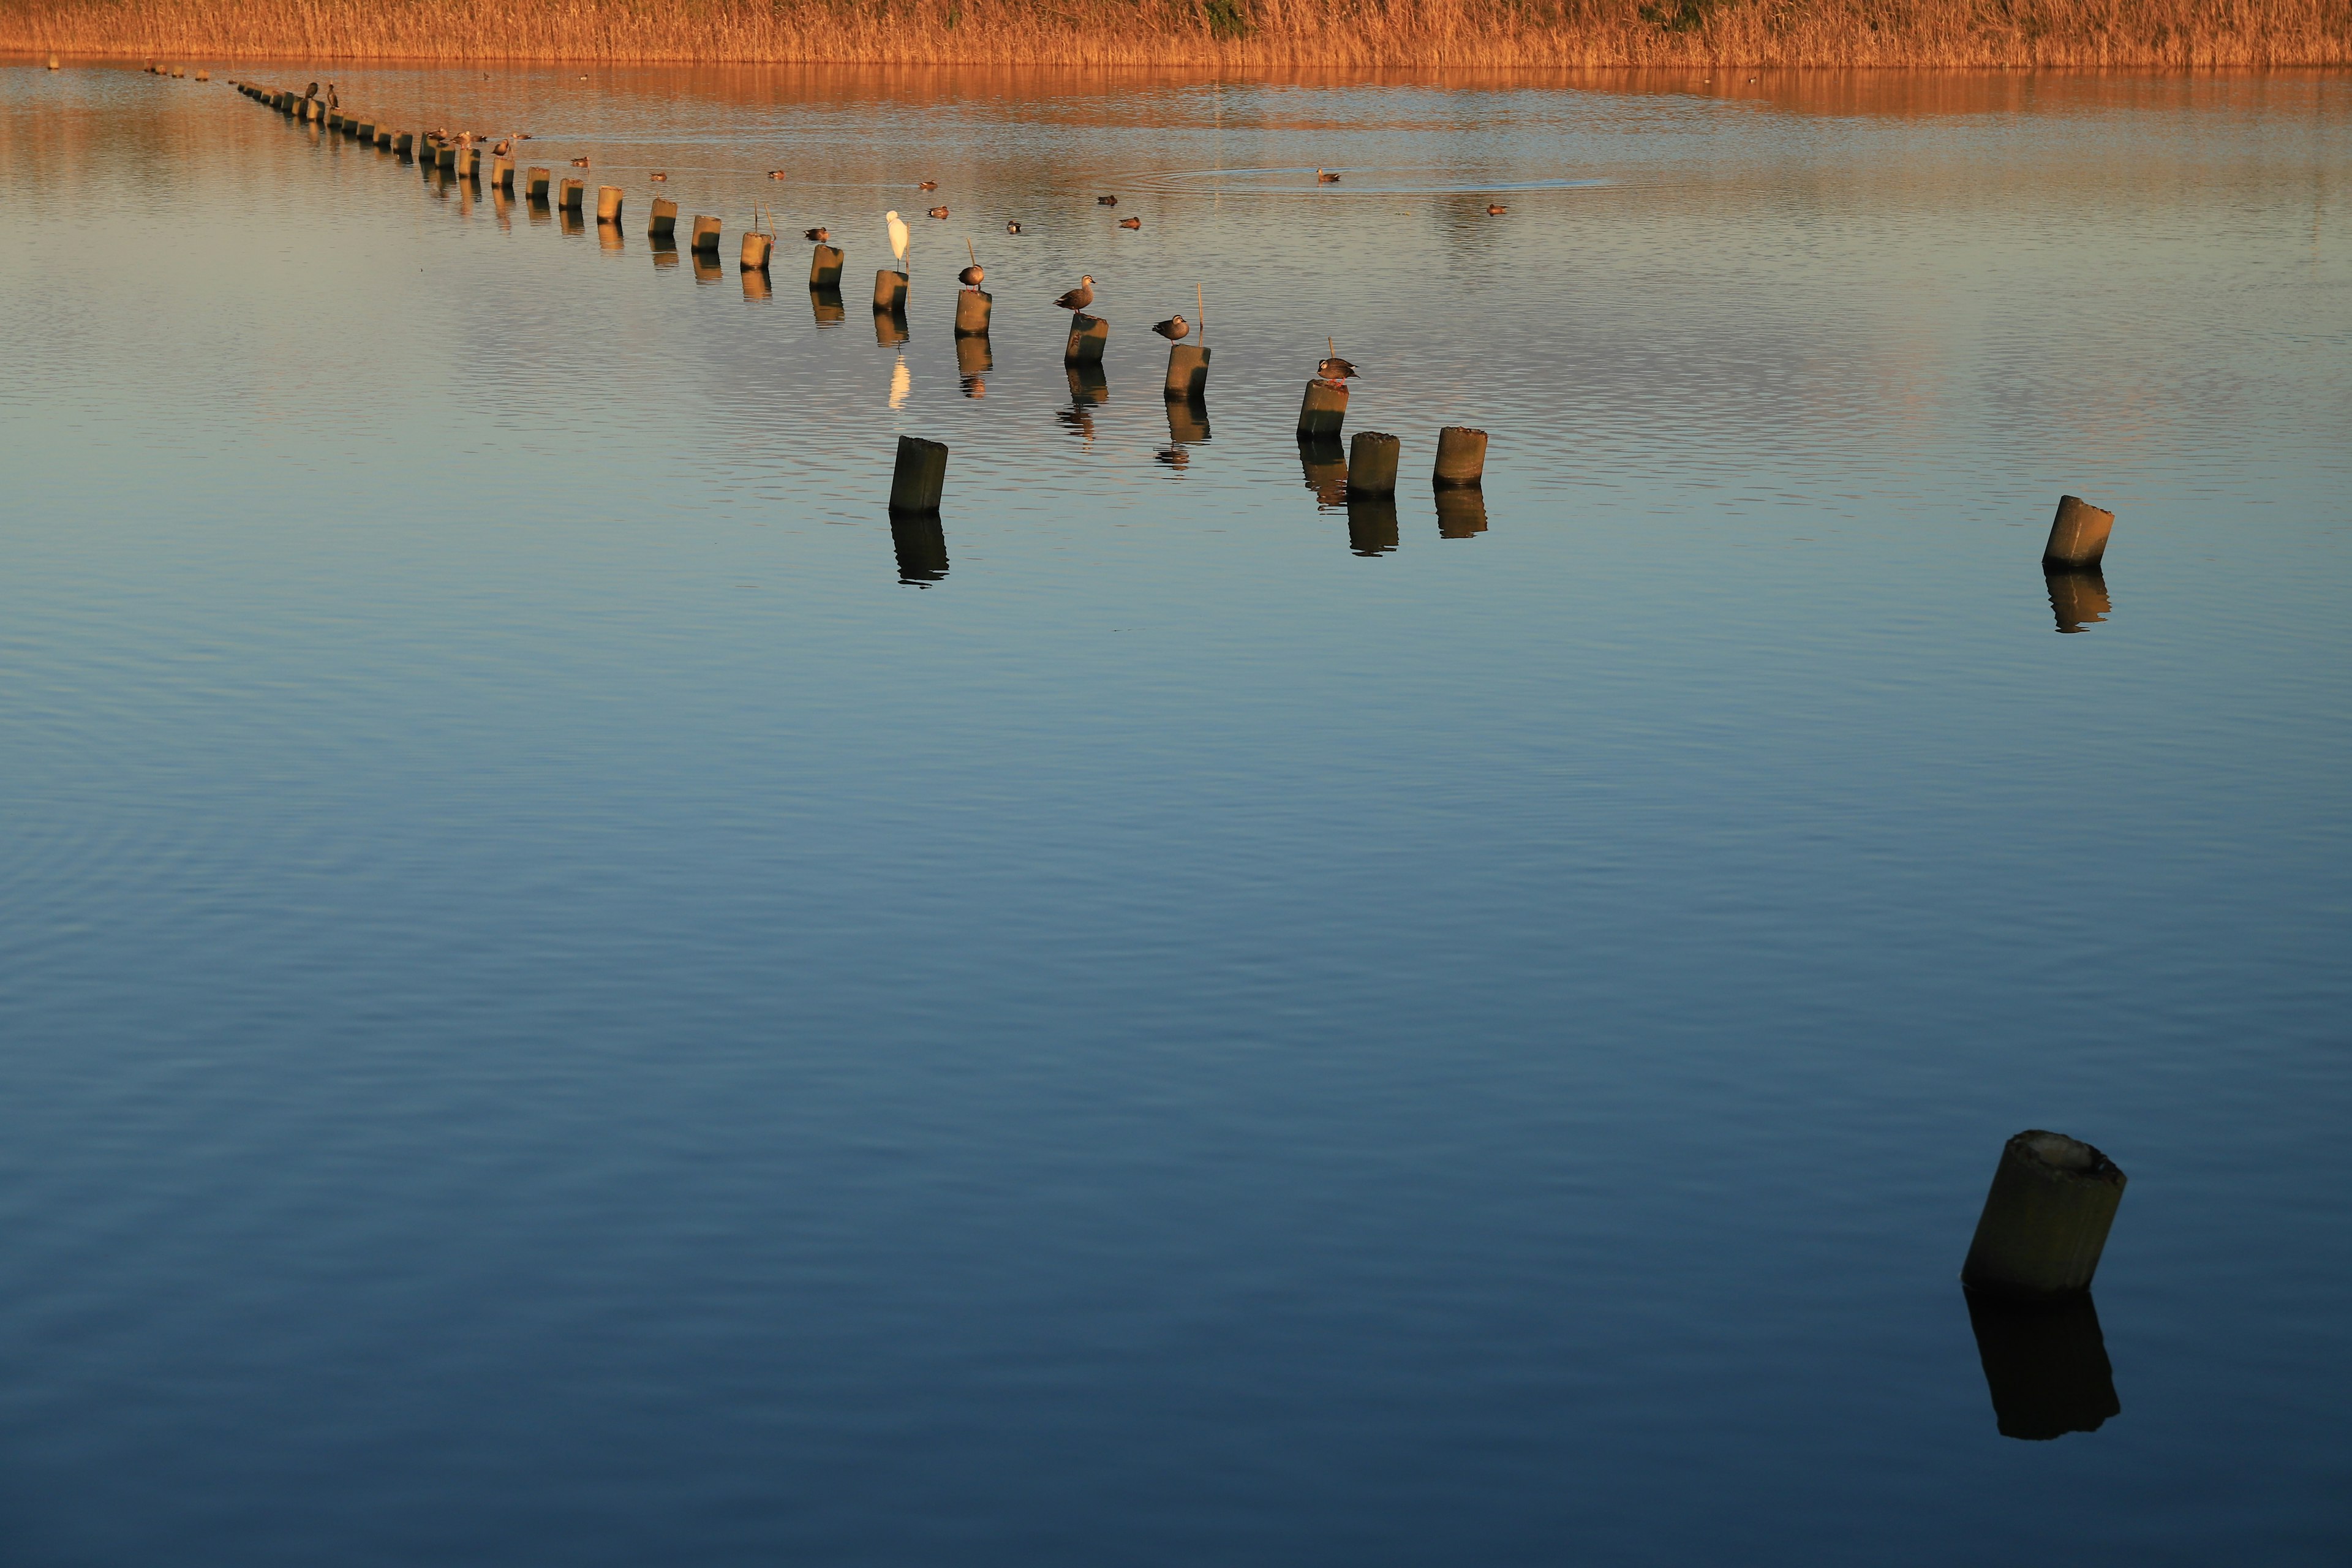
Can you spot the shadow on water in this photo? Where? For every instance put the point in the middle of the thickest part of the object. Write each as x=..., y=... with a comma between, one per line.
x=922, y=547
x=1460, y=512
x=2079, y=599
x=2045, y=1365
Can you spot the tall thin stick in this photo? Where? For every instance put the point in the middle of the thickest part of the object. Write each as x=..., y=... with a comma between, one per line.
x=1201, y=308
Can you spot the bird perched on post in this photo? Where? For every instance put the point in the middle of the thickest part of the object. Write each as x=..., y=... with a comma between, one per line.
x=897, y=234
x=970, y=276
x=1105, y=201
x=1334, y=369
x=1080, y=298
x=939, y=212
x=1173, y=328
x=1325, y=177
x=819, y=234
x=1130, y=223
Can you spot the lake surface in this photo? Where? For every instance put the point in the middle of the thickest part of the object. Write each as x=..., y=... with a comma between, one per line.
x=566, y=996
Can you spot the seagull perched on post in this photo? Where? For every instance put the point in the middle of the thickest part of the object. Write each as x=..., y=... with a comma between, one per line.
x=897, y=234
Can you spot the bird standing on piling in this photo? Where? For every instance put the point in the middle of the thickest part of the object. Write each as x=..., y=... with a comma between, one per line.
x=1080, y=298
x=899, y=235
x=1334, y=369
x=1173, y=328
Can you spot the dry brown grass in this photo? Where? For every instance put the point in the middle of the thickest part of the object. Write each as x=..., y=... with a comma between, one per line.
x=1223, y=34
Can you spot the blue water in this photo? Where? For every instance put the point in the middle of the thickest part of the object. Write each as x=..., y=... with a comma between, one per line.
x=554, y=1009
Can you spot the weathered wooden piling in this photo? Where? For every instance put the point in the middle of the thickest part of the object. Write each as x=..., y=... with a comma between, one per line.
x=757, y=248
x=665, y=250
x=403, y=144
x=1088, y=385
x=1372, y=464
x=663, y=224
x=444, y=157
x=1089, y=335
x=705, y=267
x=502, y=175
x=535, y=185
x=469, y=164
x=608, y=203
x=2045, y=1220
x=920, y=475
x=1324, y=409
x=367, y=131
x=384, y=138
x=890, y=291
x=1461, y=456
x=1188, y=374
x=706, y=235
x=1460, y=511
x=573, y=195
x=825, y=267
x=2078, y=534
x=972, y=307
x=889, y=327
x=2078, y=599
x=2045, y=1365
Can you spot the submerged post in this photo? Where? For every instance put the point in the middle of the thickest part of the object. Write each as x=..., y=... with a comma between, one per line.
x=1372, y=464
x=1188, y=373
x=920, y=475
x=665, y=220
x=2045, y=1220
x=890, y=291
x=825, y=267
x=608, y=203
x=2078, y=534
x=1323, y=410
x=1088, y=336
x=972, y=307
x=1461, y=456
x=706, y=235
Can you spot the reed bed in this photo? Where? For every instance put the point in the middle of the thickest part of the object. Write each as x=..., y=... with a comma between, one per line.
x=1223, y=34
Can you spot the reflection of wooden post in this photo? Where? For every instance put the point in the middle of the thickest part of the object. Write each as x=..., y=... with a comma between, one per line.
x=755, y=283
x=920, y=475
x=1323, y=410
x=1371, y=525
x=756, y=247
x=2078, y=599
x=706, y=235
x=972, y=313
x=2046, y=1365
x=1088, y=336
x=2078, y=534
x=890, y=291
x=973, y=357
x=1188, y=373
x=2045, y=1219
x=575, y=192
x=1324, y=462
x=825, y=305
x=1372, y=464
x=665, y=220
x=922, y=548
x=608, y=203
x=1460, y=456
x=1460, y=511
x=825, y=267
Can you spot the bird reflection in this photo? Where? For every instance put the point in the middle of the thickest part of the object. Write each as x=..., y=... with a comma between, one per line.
x=1460, y=512
x=1371, y=525
x=1188, y=423
x=664, y=249
x=922, y=546
x=973, y=362
x=2079, y=599
x=826, y=304
x=1325, y=463
x=2045, y=1365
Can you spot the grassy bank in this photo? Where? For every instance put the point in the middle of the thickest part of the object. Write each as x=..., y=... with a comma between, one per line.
x=1240, y=35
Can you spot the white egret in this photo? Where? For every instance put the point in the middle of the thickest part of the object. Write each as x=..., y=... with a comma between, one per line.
x=897, y=234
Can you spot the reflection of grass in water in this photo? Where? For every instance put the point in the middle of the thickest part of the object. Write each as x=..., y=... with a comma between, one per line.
x=1244, y=34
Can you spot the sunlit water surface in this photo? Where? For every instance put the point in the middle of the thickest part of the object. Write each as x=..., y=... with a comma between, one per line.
x=567, y=997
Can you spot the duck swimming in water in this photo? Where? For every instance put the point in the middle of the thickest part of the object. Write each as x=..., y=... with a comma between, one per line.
x=819, y=234
x=1130, y=223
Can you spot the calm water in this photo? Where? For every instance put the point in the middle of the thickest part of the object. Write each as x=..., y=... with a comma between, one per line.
x=563, y=1000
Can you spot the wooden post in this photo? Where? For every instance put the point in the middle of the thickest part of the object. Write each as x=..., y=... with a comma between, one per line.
x=2078, y=534
x=665, y=250
x=665, y=220
x=825, y=267
x=1188, y=374
x=889, y=327
x=502, y=175
x=890, y=291
x=573, y=195
x=404, y=143
x=1324, y=408
x=1460, y=456
x=920, y=475
x=535, y=185
x=2046, y=1365
x=706, y=235
x=1460, y=511
x=367, y=131
x=2078, y=599
x=972, y=313
x=1089, y=335
x=757, y=248
x=1089, y=385
x=705, y=267
x=608, y=203
x=469, y=164
x=1372, y=464
x=2045, y=1219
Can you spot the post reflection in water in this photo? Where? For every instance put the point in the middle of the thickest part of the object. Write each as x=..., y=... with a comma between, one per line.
x=1089, y=388
x=755, y=284
x=706, y=268
x=1325, y=463
x=502, y=205
x=890, y=329
x=1460, y=512
x=1372, y=524
x=1187, y=425
x=2079, y=599
x=608, y=235
x=825, y=303
x=2046, y=1365
x=573, y=225
x=922, y=546
x=664, y=249
x=973, y=362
